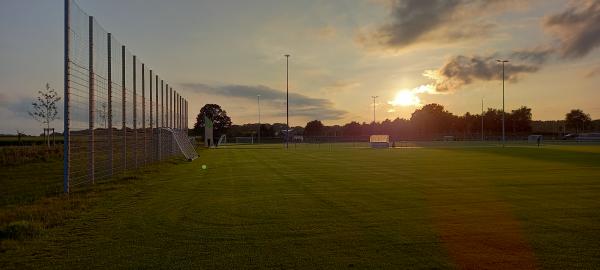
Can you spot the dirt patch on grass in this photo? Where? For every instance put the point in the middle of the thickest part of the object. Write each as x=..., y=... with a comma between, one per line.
x=479, y=231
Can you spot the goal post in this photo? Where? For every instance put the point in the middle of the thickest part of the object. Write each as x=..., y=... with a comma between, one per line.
x=379, y=141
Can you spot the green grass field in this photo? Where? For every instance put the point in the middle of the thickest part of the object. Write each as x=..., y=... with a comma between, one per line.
x=324, y=207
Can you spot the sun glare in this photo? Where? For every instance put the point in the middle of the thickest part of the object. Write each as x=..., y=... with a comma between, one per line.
x=405, y=98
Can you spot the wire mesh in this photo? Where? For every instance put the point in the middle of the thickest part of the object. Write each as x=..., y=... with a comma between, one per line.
x=118, y=113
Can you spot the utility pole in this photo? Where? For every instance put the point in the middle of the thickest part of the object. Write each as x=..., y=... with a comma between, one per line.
x=482, y=120
x=503, y=133
x=287, y=99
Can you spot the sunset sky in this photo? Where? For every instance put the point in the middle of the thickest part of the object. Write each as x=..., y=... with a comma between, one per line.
x=407, y=52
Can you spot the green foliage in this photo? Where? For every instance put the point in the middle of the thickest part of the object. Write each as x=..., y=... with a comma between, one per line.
x=221, y=122
x=577, y=120
x=351, y=129
x=45, y=108
x=313, y=128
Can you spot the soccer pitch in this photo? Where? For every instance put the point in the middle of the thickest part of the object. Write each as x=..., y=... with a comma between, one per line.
x=332, y=207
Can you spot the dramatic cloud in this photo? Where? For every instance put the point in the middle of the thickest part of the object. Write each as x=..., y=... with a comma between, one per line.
x=578, y=32
x=463, y=70
x=300, y=105
x=577, y=28
x=19, y=106
x=414, y=21
x=537, y=55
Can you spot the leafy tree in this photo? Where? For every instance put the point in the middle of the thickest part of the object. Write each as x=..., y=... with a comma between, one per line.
x=221, y=122
x=577, y=120
x=313, y=128
x=266, y=130
x=432, y=120
x=492, y=119
x=520, y=119
x=45, y=108
x=351, y=129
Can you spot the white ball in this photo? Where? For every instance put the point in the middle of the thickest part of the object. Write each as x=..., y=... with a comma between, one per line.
x=204, y=167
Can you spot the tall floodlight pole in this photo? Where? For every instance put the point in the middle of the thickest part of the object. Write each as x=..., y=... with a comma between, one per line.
x=258, y=96
x=503, y=137
x=374, y=98
x=287, y=98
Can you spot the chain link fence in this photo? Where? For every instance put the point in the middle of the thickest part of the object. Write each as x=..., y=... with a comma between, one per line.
x=119, y=113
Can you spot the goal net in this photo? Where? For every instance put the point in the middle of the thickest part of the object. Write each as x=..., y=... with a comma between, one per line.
x=379, y=141
x=535, y=139
x=222, y=140
x=182, y=143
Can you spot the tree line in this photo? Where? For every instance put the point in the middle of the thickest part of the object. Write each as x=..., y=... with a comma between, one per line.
x=430, y=122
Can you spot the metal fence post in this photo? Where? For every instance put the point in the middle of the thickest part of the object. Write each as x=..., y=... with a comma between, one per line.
x=180, y=112
x=187, y=116
x=156, y=122
x=162, y=113
x=151, y=118
x=174, y=109
x=91, y=107
x=144, y=112
x=109, y=116
x=67, y=85
x=171, y=101
x=169, y=107
x=157, y=144
x=124, y=110
x=166, y=106
x=135, y=99
x=171, y=111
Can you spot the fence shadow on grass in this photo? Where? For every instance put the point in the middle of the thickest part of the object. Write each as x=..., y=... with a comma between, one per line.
x=550, y=153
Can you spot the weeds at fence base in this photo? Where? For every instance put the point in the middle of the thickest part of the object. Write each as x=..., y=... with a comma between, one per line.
x=30, y=219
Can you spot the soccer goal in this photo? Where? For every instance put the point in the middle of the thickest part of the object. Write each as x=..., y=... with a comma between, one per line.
x=181, y=143
x=535, y=139
x=222, y=140
x=379, y=141
x=244, y=140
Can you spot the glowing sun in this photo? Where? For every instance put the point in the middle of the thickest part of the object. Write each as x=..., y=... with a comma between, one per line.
x=405, y=98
